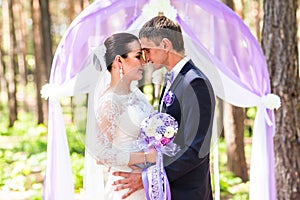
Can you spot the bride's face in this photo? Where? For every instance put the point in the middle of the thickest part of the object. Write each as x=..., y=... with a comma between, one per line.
x=133, y=64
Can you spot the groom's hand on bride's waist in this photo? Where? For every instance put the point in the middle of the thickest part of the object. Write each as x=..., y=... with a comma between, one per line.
x=131, y=180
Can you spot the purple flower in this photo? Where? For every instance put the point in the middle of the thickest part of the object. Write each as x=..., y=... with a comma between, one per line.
x=160, y=130
x=169, y=98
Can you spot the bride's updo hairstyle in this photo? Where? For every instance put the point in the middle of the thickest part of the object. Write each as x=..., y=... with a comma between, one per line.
x=117, y=44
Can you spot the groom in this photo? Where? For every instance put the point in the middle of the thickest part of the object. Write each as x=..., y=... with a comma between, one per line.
x=192, y=105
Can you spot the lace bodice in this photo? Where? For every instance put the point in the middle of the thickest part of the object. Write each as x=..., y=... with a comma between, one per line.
x=118, y=119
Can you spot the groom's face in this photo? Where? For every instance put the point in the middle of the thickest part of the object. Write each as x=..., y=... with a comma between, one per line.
x=154, y=54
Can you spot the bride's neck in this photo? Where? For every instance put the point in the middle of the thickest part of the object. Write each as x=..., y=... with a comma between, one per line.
x=120, y=86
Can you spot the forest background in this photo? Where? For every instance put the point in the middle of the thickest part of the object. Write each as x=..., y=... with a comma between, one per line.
x=30, y=32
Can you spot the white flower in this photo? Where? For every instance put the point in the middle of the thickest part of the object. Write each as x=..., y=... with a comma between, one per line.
x=154, y=7
x=155, y=122
x=170, y=132
x=271, y=101
x=150, y=131
x=158, y=136
x=151, y=126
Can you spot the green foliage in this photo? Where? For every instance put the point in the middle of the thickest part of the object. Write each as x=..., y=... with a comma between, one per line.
x=78, y=170
x=23, y=155
x=76, y=140
x=76, y=146
x=251, y=112
x=231, y=187
x=148, y=91
x=250, y=116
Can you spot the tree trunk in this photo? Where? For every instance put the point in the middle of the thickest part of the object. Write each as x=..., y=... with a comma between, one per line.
x=40, y=65
x=234, y=135
x=281, y=51
x=23, y=23
x=239, y=8
x=19, y=23
x=71, y=14
x=9, y=70
x=230, y=4
x=84, y=4
x=256, y=15
x=47, y=48
x=2, y=78
x=71, y=10
x=46, y=35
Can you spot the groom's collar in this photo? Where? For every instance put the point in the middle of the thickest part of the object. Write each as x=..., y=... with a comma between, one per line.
x=178, y=67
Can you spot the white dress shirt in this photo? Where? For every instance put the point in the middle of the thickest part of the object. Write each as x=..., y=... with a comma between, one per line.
x=176, y=69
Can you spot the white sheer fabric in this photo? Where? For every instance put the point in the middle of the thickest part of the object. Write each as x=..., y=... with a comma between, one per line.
x=58, y=171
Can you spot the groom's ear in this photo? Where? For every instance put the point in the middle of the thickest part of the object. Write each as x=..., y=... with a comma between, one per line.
x=167, y=44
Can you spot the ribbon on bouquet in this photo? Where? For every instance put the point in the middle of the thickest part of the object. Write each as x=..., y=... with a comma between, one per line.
x=155, y=181
x=158, y=131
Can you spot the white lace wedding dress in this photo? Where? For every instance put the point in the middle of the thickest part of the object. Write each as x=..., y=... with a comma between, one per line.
x=118, y=119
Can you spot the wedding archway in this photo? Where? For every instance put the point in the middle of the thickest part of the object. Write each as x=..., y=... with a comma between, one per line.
x=221, y=43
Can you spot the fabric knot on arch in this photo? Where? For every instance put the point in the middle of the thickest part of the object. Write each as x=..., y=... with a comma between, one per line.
x=271, y=101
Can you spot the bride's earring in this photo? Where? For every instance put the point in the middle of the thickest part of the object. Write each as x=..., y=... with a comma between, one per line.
x=121, y=73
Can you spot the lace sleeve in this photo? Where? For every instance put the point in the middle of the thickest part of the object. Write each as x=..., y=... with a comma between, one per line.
x=107, y=116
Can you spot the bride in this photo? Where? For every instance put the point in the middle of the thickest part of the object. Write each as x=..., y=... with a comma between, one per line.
x=119, y=109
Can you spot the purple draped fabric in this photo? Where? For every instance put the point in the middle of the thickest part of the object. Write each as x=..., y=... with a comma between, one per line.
x=209, y=22
x=73, y=48
x=226, y=36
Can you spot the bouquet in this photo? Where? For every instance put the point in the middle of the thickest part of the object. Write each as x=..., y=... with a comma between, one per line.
x=158, y=131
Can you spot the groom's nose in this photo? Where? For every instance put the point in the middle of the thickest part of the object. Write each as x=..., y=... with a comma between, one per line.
x=147, y=58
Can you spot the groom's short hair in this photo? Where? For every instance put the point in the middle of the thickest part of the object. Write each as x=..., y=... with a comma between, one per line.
x=162, y=27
